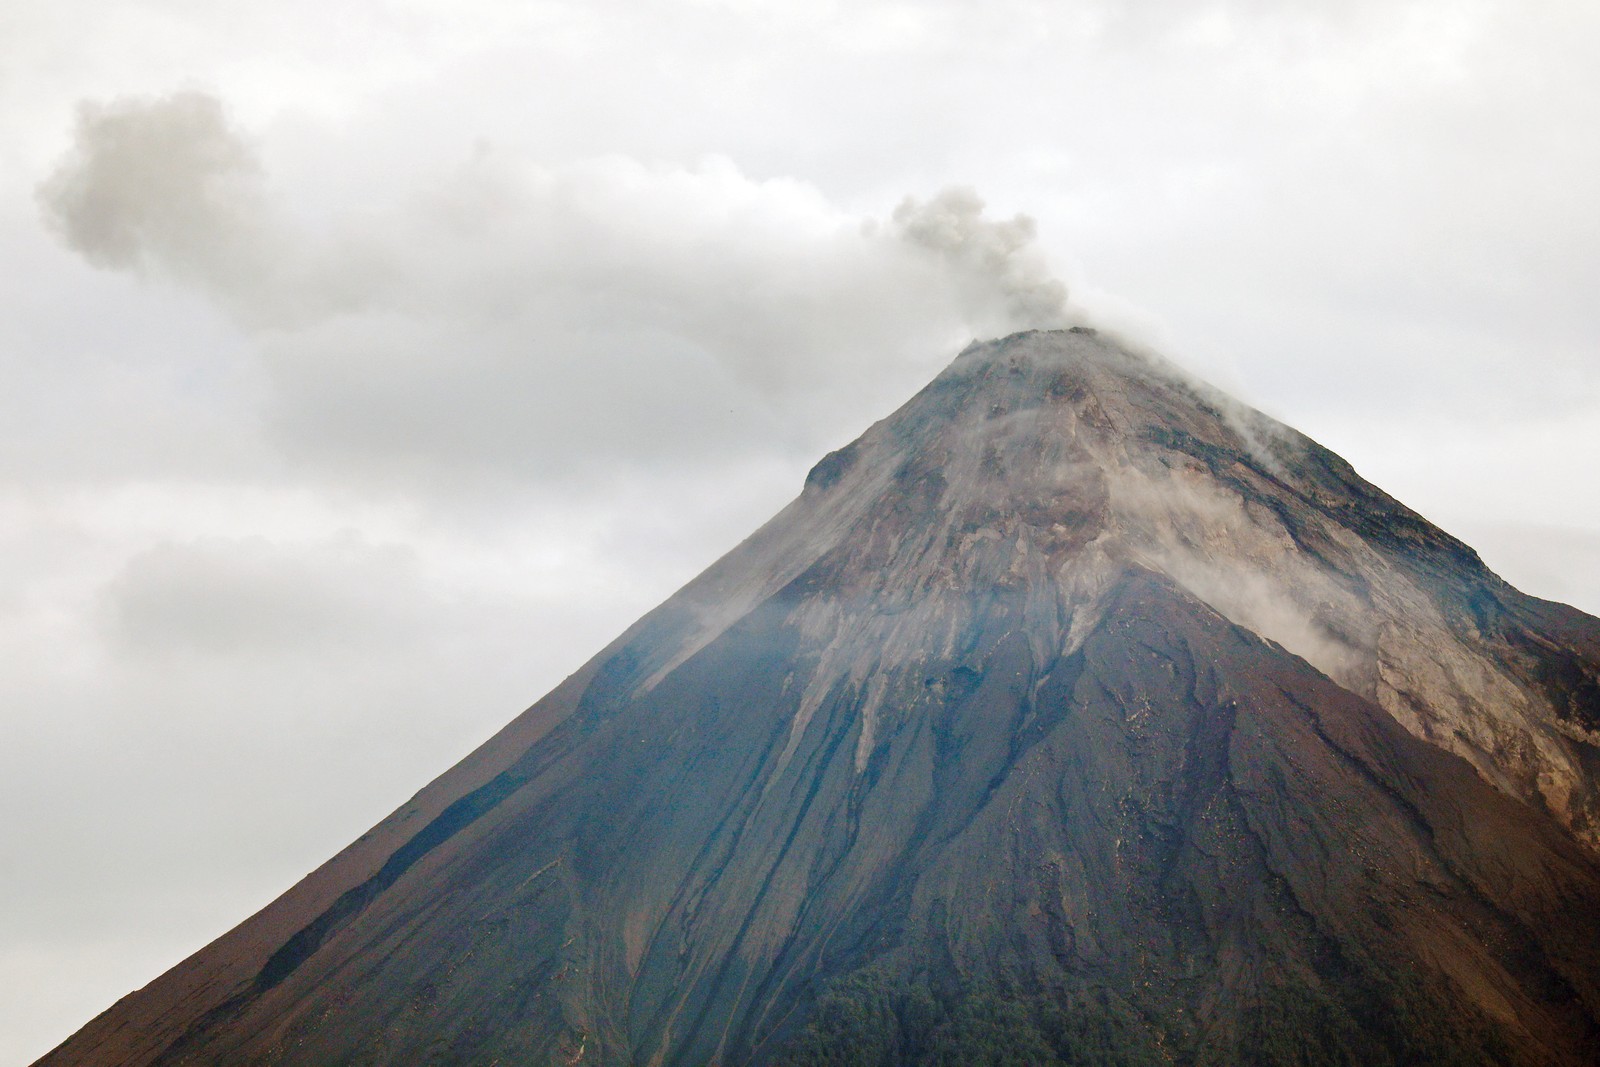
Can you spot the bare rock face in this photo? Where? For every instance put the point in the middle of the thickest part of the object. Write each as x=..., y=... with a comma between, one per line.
x=1047, y=461
x=1072, y=714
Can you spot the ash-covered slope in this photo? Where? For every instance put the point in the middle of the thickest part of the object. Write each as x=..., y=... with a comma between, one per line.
x=1073, y=713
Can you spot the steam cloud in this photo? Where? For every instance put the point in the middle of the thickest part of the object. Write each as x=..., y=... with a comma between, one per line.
x=987, y=253
x=491, y=311
x=1261, y=582
x=162, y=186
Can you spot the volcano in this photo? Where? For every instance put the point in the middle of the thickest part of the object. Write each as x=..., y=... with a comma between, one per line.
x=1073, y=714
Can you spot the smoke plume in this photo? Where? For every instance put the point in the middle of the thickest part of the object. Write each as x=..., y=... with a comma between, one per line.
x=995, y=259
x=505, y=311
x=161, y=186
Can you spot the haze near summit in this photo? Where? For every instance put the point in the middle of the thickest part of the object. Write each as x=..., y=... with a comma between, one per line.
x=387, y=365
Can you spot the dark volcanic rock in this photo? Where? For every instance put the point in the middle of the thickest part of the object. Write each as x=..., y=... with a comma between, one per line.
x=1073, y=714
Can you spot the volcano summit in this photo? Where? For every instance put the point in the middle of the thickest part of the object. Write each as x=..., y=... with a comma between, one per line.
x=1073, y=714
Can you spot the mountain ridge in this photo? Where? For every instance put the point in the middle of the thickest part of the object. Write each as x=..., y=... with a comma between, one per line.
x=1210, y=722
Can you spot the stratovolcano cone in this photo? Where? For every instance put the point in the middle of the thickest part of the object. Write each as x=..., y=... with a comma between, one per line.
x=1075, y=713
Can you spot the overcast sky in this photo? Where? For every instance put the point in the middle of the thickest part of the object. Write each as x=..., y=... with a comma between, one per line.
x=368, y=366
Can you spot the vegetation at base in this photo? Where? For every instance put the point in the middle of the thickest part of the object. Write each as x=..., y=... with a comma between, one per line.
x=1383, y=1017
x=871, y=1019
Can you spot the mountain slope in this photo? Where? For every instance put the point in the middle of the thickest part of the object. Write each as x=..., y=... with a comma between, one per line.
x=1074, y=710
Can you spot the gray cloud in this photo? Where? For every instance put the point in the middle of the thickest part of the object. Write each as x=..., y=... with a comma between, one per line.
x=514, y=317
x=995, y=258
x=162, y=185
x=252, y=597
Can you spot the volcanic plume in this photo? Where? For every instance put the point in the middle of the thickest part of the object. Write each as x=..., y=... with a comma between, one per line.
x=1074, y=713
